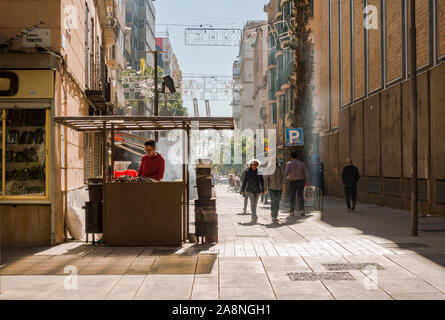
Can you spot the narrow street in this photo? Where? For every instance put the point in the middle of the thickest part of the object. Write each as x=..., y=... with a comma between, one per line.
x=335, y=254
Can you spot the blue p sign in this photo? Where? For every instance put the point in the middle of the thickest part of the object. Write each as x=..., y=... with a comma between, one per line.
x=294, y=137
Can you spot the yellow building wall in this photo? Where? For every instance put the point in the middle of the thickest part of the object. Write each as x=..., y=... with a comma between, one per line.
x=23, y=225
x=19, y=14
x=31, y=224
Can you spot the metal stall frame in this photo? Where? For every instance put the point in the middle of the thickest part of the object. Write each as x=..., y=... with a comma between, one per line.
x=114, y=124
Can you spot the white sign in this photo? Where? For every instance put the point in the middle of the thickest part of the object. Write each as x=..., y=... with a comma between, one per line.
x=37, y=37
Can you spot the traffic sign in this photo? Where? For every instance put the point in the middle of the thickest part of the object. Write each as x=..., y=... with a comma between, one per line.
x=294, y=137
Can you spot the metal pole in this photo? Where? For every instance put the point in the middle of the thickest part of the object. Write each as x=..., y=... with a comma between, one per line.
x=104, y=151
x=112, y=151
x=414, y=165
x=156, y=97
x=188, y=183
x=185, y=182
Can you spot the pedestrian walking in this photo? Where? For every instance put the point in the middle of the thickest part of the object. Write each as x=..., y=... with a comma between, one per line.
x=253, y=184
x=350, y=178
x=296, y=174
x=275, y=184
x=245, y=196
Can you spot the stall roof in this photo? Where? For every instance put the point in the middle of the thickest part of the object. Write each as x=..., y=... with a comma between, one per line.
x=131, y=123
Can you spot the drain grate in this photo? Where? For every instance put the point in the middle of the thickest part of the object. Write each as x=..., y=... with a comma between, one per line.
x=314, y=276
x=433, y=230
x=351, y=266
x=404, y=245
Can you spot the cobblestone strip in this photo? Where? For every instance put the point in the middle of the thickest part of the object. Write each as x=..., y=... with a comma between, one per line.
x=280, y=250
x=259, y=248
x=323, y=248
x=301, y=251
x=369, y=247
x=312, y=251
x=339, y=248
x=377, y=246
x=359, y=247
x=270, y=250
x=239, y=248
x=335, y=251
x=290, y=250
x=348, y=247
x=249, y=248
x=229, y=249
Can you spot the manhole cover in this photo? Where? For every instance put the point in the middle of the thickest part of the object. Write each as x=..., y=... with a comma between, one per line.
x=434, y=230
x=351, y=266
x=314, y=276
x=404, y=245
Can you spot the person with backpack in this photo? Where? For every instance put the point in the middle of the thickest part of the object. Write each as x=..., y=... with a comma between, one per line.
x=253, y=184
x=275, y=183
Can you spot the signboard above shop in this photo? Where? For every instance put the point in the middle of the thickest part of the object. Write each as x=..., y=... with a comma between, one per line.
x=37, y=38
x=26, y=84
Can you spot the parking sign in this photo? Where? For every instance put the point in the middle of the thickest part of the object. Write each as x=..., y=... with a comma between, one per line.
x=294, y=137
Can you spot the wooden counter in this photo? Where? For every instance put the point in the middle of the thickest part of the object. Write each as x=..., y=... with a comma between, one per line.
x=143, y=214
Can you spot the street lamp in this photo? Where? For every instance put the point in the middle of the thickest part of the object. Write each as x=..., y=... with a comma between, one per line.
x=156, y=93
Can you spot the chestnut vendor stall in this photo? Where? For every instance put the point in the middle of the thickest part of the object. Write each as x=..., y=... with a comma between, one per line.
x=138, y=212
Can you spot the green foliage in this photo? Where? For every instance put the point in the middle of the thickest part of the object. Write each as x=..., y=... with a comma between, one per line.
x=302, y=46
x=173, y=108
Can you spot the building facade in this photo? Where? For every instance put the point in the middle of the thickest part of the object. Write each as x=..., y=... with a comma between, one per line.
x=364, y=94
x=140, y=19
x=236, y=112
x=280, y=65
x=44, y=166
x=249, y=111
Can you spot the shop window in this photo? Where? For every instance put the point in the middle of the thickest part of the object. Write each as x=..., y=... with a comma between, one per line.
x=25, y=153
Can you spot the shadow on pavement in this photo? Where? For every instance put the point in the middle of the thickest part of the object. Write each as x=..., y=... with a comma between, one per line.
x=391, y=226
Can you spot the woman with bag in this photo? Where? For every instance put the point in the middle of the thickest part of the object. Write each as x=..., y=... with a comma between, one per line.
x=253, y=184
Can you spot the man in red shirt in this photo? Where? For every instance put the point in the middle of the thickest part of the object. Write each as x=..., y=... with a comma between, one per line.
x=152, y=164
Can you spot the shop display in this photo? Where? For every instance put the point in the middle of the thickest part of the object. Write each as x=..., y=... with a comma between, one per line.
x=25, y=153
x=128, y=179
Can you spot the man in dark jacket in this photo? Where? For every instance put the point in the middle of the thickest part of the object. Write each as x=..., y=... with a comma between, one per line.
x=350, y=177
x=253, y=184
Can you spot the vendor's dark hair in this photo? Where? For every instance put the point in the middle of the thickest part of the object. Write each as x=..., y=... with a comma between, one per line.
x=294, y=155
x=150, y=143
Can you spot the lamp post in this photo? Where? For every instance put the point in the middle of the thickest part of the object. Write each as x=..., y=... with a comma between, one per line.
x=156, y=93
x=414, y=164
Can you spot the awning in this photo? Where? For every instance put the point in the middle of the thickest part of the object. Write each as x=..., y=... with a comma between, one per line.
x=126, y=123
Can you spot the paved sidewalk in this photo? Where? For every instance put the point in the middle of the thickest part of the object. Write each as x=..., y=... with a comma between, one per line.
x=371, y=248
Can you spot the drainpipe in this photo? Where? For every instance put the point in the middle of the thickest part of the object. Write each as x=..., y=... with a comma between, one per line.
x=414, y=164
x=53, y=176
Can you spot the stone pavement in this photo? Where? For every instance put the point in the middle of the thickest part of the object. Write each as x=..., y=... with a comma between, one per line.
x=371, y=248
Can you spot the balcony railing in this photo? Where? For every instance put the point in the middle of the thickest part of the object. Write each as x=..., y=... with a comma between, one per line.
x=99, y=89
